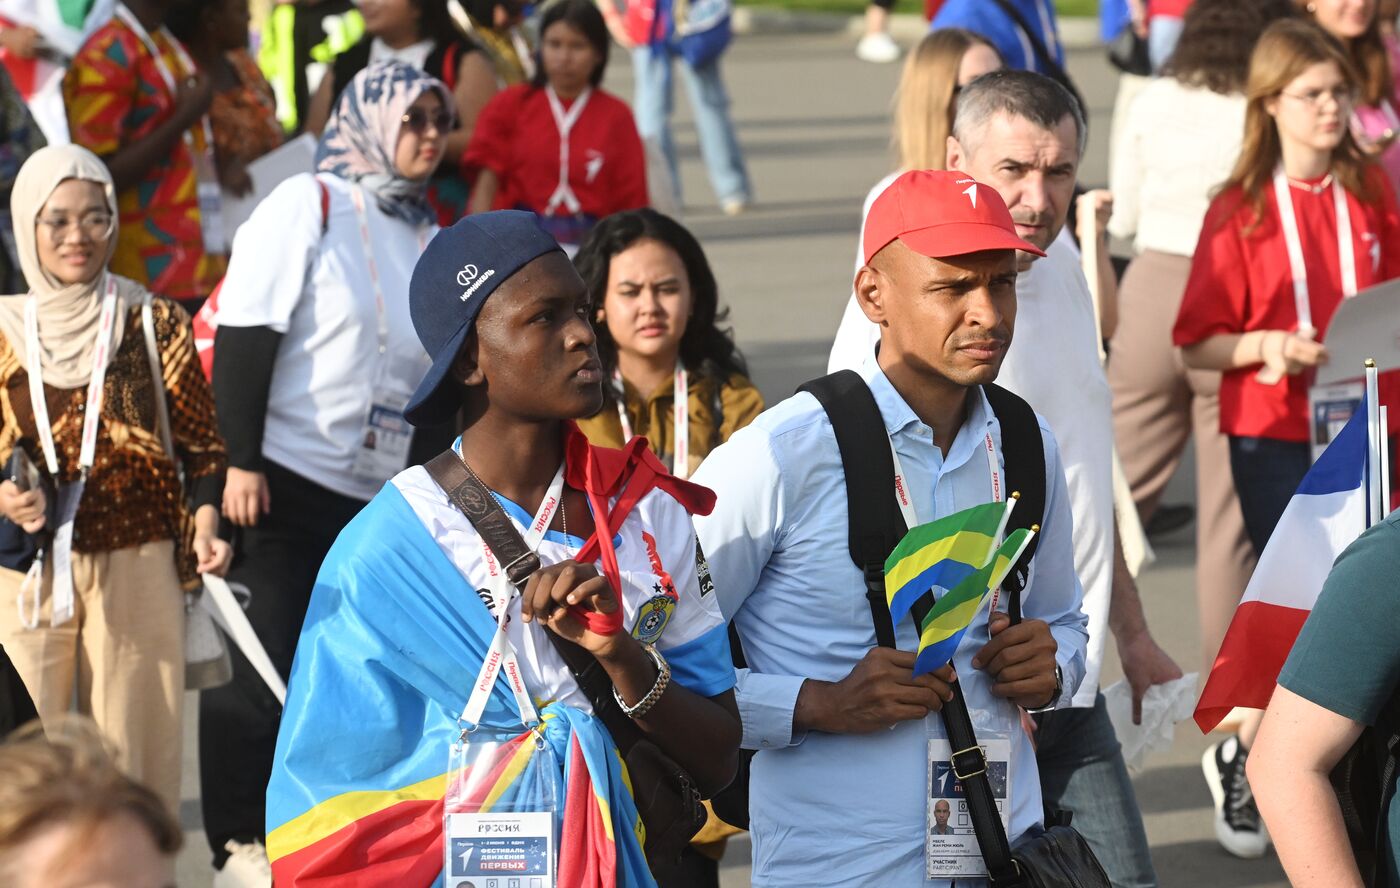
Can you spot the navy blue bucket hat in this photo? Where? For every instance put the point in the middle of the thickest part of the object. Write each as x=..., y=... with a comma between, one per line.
x=460, y=269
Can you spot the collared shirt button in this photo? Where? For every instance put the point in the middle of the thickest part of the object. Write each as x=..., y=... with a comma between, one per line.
x=766, y=743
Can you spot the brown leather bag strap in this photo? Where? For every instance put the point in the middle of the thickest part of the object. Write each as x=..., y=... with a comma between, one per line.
x=472, y=499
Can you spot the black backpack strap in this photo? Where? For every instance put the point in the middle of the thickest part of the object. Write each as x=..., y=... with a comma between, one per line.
x=1023, y=454
x=875, y=522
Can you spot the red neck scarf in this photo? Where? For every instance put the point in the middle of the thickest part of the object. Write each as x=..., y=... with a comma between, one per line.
x=628, y=475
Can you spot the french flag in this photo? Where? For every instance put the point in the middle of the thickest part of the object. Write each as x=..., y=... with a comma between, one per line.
x=1325, y=515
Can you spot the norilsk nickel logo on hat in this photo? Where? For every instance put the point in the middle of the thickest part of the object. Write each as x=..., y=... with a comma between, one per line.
x=469, y=277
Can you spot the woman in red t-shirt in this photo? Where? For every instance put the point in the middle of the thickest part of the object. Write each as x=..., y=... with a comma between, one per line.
x=1303, y=222
x=561, y=146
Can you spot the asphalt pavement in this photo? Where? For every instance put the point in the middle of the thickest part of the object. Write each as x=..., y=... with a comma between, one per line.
x=814, y=123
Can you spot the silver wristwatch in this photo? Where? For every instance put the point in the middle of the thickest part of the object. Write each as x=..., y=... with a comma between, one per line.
x=1055, y=697
x=663, y=680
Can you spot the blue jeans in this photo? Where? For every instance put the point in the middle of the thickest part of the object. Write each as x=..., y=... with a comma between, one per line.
x=1163, y=32
x=718, y=145
x=1267, y=473
x=1082, y=772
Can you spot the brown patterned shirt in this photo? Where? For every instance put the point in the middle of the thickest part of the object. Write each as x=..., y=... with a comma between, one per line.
x=133, y=493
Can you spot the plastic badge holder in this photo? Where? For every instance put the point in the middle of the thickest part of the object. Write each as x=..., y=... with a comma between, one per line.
x=500, y=811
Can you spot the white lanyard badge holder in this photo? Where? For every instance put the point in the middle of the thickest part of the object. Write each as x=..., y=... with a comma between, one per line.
x=499, y=812
x=69, y=495
x=951, y=850
x=207, y=189
x=386, y=434
x=1330, y=406
x=680, y=420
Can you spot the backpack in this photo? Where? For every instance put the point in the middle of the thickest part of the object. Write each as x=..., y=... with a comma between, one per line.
x=206, y=320
x=873, y=514
x=1365, y=784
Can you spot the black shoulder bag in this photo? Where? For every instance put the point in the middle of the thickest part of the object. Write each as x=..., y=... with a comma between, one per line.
x=667, y=798
x=1058, y=857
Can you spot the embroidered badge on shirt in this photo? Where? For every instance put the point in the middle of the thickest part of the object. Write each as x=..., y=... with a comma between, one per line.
x=702, y=570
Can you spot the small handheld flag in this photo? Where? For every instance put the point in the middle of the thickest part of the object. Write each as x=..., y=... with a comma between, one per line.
x=943, y=629
x=941, y=554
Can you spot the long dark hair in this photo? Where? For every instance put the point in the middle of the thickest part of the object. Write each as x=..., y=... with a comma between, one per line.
x=584, y=16
x=706, y=348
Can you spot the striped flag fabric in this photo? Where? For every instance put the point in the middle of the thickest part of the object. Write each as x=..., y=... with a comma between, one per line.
x=941, y=554
x=944, y=626
x=1326, y=514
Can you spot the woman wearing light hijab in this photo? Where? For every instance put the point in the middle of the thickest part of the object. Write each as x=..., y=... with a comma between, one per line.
x=314, y=360
x=79, y=396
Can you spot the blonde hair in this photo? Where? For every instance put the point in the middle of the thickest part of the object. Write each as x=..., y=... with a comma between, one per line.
x=1286, y=49
x=923, y=101
x=68, y=777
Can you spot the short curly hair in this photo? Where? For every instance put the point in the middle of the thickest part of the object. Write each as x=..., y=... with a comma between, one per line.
x=1217, y=39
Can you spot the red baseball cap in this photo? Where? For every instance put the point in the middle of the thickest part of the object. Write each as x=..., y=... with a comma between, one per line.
x=941, y=213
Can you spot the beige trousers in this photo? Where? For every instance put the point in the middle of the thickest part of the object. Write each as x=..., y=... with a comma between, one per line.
x=123, y=653
x=1158, y=406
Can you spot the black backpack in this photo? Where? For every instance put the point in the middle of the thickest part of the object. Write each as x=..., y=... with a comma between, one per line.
x=869, y=470
x=1365, y=783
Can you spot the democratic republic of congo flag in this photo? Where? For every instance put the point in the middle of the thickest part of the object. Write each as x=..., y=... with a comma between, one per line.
x=946, y=623
x=391, y=644
x=942, y=554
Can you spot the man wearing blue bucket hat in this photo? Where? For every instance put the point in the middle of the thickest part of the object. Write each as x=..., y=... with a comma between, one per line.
x=612, y=645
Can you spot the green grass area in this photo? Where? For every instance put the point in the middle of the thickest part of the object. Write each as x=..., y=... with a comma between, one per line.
x=856, y=7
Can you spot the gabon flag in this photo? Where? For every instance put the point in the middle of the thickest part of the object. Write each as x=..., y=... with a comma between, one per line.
x=1328, y=512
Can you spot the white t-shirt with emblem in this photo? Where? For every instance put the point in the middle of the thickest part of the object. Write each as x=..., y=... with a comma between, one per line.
x=694, y=640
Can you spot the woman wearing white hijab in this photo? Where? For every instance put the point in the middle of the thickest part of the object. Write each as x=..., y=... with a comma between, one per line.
x=78, y=395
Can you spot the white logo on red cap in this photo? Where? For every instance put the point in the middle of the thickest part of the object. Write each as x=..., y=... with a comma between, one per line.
x=971, y=192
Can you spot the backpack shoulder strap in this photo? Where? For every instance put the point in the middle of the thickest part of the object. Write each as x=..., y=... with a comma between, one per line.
x=875, y=523
x=1023, y=451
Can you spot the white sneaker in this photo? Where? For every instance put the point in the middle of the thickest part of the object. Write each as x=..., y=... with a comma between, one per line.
x=879, y=48
x=1238, y=826
x=733, y=206
x=247, y=866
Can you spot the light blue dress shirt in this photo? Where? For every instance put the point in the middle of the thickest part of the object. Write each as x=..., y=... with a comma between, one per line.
x=832, y=809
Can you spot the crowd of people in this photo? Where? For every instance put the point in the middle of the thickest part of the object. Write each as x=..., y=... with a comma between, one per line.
x=458, y=414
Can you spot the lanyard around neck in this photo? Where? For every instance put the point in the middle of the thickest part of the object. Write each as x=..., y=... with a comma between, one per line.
x=500, y=655
x=357, y=197
x=1346, y=248
x=564, y=122
x=101, y=357
x=680, y=419
x=905, y=497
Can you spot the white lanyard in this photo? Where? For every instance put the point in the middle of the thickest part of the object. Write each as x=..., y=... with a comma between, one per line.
x=101, y=356
x=500, y=656
x=905, y=497
x=1346, y=248
x=131, y=21
x=357, y=197
x=564, y=122
x=680, y=420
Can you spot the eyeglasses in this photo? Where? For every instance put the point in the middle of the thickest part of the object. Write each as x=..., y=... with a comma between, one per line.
x=417, y=121
x=97, y=226
x=1313, y=98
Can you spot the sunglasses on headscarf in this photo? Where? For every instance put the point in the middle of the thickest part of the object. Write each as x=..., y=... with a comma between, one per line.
x=418, y=120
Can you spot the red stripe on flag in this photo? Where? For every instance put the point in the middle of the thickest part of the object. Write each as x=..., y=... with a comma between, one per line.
x=587, y=858
x=400, y=845
x=1250, y=659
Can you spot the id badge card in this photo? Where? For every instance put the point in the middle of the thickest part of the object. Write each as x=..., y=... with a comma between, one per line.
x=384, y=439
x=211, y=203
x=500, y=815
x=1329, y=408
x=950, y=844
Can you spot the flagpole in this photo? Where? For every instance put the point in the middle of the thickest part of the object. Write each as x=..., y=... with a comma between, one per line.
x=1005, y=517
x=1373, y=448
x=1385, y=460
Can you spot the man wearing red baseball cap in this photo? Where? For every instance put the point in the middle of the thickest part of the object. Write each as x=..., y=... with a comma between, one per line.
x=849, y=737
